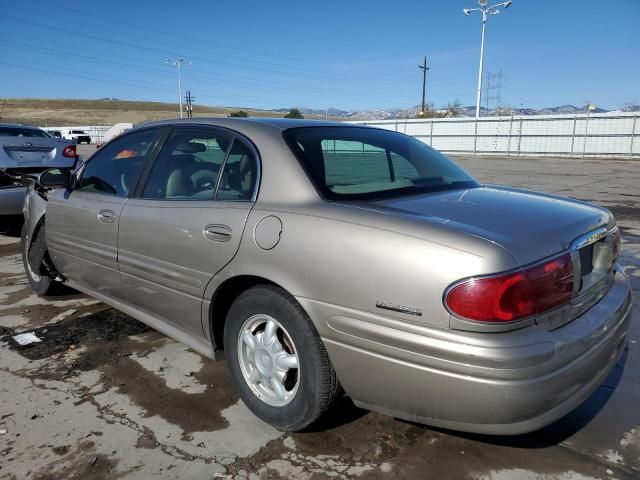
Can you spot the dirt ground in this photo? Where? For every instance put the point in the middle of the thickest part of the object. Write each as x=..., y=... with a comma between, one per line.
x=105, y=397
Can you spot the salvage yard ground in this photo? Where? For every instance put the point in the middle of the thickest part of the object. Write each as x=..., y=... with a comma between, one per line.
x=102, y=396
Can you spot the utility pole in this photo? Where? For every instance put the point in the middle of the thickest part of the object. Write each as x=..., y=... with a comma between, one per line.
x=178, y=62
x=188, y=99
x=424, y=69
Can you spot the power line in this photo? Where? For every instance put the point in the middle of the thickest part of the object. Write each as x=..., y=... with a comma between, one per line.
x=228, y=80
x=164, y=53
x=140, y=86
x=138, y=26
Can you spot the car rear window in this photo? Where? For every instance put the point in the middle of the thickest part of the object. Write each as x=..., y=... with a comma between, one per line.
x=369, y=163
x=21, y=132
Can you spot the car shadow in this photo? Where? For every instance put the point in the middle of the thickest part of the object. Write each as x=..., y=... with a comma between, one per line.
x=343, y=412
x=562, y=429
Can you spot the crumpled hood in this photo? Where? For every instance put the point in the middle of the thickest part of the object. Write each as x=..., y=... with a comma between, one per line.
x=529, y=225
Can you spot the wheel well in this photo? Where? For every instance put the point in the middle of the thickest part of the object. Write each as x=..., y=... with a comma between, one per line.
x=50, y=269
x=222, y=300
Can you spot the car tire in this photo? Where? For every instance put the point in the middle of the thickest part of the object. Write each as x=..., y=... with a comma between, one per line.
x=40, y=282
x=309, y=390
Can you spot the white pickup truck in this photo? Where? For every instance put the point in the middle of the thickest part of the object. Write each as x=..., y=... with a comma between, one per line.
x=80, y=136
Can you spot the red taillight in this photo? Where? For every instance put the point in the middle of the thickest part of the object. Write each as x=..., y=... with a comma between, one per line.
x=509, y=297
x=69, y=151
x=552, y=282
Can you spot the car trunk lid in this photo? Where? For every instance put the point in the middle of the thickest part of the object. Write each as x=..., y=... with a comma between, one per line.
x=529, y=225
x=33, y=152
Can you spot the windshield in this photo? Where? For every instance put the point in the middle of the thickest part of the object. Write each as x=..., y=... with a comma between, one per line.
x=77, y=131
x=21, y=132
x=368, y=163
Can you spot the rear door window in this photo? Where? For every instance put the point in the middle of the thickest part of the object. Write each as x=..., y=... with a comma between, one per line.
x=188, y=165
x=239, y=177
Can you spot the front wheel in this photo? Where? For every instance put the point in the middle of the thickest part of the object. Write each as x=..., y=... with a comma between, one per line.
x=40, y=282
x=277, y=359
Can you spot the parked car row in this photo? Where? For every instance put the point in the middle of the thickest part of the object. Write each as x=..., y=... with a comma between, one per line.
x=321, y=258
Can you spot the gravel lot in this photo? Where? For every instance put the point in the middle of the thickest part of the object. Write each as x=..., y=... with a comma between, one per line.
x=105, y=397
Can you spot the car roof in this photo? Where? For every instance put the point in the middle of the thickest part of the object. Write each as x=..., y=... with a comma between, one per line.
x=278, y=123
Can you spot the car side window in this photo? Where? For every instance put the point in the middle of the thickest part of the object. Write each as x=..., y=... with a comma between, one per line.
x=115, y=168
x=188, y=165
x=240, y=173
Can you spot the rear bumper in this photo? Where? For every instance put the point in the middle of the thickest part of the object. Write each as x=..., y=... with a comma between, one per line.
x=499, y=383
x=11, y=200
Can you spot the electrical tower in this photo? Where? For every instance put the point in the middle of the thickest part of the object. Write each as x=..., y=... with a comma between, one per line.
x=493, y=91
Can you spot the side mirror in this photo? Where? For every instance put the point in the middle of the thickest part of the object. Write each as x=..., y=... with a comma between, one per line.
x=55, y=178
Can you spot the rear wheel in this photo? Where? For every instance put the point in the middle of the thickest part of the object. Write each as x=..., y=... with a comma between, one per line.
x=277, y=359
x=33, y=253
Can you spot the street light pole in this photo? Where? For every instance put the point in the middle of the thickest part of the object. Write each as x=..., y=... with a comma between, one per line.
x=178, y=62
x=479, y=93
x=485, y=11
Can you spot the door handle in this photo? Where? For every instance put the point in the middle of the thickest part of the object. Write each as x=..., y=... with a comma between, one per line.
x=217, y=233
x=107, y=216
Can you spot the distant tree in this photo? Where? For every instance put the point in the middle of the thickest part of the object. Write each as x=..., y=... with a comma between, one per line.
x=454, y=109
x=294, y=113
x=429, y=112
x=239, y=113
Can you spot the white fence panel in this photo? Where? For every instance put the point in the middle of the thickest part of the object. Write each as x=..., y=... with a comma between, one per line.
x=602, y=134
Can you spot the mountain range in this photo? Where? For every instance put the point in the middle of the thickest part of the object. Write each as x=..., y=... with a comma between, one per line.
x=470, y=111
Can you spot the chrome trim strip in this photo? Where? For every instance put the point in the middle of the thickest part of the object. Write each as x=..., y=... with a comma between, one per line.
x=591, y=237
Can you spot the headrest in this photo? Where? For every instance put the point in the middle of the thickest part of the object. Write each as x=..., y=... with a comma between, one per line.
x=191, y=147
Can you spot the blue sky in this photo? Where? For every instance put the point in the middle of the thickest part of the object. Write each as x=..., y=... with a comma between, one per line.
x=345, y=54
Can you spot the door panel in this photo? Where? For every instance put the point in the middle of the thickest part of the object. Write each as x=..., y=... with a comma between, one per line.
x=81, y=245
x=177, y=236
x=82, y=223
x=169, y=250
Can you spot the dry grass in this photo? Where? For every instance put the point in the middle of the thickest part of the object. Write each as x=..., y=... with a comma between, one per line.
x=49, y=112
